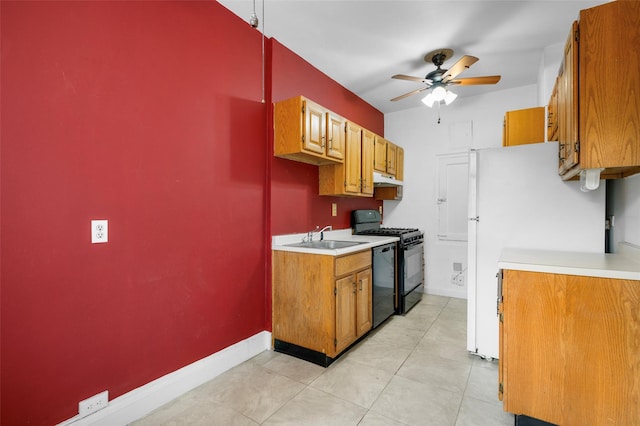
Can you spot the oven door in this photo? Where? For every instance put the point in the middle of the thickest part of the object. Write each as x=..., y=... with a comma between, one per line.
x=413, y=267
x=412, y=277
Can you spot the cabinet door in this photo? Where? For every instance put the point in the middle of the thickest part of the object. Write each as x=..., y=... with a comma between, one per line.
x=532, y=361
x=568, y=104
x=602, y=381
x=335, y=136
x=610, y=106
x=363, y=302
x=367, y=162
x=345, y=312
x=391, y=158
x=400, y=163
x=314, y=128
x=380, y=154
x=353, y=160
x=523, y=126
x=552, y=115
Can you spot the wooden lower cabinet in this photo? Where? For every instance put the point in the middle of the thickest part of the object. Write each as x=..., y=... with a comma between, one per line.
x=321, y=304
x=570, y=348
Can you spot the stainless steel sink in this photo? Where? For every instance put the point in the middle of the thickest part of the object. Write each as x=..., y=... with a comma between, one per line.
x=326, y=244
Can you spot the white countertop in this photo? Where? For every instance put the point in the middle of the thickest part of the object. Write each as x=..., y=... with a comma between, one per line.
x=279, y=242
x=624, y=265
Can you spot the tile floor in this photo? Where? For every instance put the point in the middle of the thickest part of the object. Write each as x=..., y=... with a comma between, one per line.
x=412, y=370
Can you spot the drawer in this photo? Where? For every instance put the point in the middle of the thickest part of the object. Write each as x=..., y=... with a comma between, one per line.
x=352, y=262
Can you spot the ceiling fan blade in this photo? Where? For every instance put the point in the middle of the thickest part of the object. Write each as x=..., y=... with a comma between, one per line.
x=406, y=95
x=463, y=63
x=411, y=78
x=489, y=79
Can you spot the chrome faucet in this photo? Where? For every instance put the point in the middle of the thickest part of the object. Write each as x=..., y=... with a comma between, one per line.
x=326, y=228
x=311, y=233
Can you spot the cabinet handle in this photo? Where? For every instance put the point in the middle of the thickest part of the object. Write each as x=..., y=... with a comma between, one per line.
x=323, y=142
x=354, y=287
x=360, y=285
x=331, y=143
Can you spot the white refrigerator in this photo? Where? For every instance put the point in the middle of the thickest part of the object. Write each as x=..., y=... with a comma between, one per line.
x=517, y=200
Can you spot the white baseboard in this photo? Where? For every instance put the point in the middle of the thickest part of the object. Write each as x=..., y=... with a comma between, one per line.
x=457, y=292
x=141, y=401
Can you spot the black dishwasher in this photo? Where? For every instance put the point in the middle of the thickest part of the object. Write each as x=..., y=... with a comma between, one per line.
x=384, y=282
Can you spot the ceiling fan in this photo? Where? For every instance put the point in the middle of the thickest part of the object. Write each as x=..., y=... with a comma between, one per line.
x=439, y=79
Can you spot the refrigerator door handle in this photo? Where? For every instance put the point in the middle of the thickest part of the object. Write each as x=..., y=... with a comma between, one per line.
x=477, y=218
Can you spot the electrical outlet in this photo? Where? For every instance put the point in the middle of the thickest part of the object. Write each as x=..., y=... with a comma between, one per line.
x=380, y=209
x=99, y=231
x=457, y=279
x=93, y=404
x=334, y=209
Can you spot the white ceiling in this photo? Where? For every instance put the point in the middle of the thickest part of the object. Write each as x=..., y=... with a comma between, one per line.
x=362, y=43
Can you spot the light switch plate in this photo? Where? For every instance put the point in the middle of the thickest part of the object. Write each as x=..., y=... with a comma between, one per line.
x=99, y=231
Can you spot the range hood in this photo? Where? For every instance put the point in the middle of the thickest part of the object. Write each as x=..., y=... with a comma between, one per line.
x=380, y=179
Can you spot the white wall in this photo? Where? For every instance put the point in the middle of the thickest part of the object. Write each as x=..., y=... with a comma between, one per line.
x=549, y=66
x=423, y=139
x=625, y=196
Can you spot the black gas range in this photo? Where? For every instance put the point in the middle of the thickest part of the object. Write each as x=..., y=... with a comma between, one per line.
x=407, y=236
x=409, y=259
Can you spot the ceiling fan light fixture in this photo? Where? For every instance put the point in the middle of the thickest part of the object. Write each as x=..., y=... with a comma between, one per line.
x=428, y=100
x=439, y=93
x=450, y=97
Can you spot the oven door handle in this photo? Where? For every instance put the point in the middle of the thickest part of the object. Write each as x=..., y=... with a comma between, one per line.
x=413, y=244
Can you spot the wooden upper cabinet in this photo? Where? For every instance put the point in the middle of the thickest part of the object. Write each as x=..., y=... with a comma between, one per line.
x=380, y=154
x=385, y=156
x=567, y=93
x=400, y=163
x=305, y=131
x=346, y=152
x=607, y=92
x=353, y=166
x=523, y=126
x=367, y=163
x=391, y=158
x=355, y=176
x=314, y=134
x=335, y=136
x=552, y=115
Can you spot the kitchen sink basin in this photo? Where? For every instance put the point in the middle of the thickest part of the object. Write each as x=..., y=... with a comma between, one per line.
x=326, y=244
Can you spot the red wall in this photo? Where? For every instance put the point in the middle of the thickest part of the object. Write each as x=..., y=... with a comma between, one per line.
x=142, y=113
x=150, y=115
x=295, y=203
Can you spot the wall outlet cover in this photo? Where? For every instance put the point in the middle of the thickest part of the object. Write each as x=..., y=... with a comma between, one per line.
x=99, y=231
x=93, y=404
